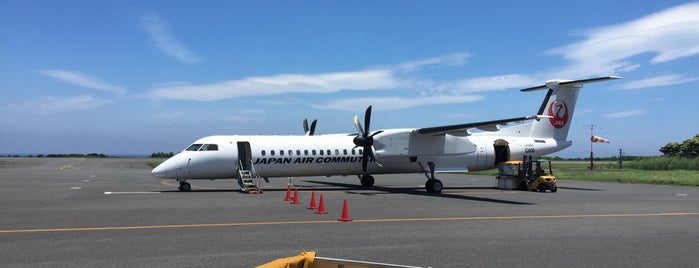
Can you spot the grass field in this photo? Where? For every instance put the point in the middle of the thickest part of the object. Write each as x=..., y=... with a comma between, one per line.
x=611, y=173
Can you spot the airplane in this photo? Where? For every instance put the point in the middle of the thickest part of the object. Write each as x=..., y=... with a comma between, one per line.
x=451, y=148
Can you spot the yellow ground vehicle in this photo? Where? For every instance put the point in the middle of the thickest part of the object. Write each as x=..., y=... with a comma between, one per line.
x=527, y=175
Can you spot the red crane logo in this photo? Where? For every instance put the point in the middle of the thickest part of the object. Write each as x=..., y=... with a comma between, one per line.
x=558, y=110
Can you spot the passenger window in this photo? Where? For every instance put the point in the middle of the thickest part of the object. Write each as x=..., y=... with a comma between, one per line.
x=291, y=152
x=305, y=152
x=337, y=152
x=271, y=152
x=353, y=152
x=360, y=152
x=321, y=152
x=281, y=152
x=329, y=152
x=298, y=152
x=313, y=152
x=264, y=153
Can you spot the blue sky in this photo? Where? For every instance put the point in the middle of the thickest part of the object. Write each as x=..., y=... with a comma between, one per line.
x=136, y=77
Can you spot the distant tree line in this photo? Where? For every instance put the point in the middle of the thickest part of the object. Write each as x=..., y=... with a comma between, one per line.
x=92, y=155
x=688, y=148
x=162, y=155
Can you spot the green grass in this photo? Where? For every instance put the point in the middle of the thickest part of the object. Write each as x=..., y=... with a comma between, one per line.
x=610, y=172
x=154, y=163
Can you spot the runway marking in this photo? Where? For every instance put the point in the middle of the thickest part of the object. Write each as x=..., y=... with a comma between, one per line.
x=237, y=224
x=108, y=193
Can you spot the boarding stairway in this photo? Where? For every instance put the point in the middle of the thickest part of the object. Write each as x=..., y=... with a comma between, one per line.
x=248, y=179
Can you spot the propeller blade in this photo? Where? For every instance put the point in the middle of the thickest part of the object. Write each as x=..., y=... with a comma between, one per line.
x=358, y=125
x=305, y=125
x=313, y=127
x=367, y=120
x=365, y=159
x=373, y=156
x=375, y=133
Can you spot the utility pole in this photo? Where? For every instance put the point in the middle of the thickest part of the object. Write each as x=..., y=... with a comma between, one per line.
x=620, y=155
x=592, y=127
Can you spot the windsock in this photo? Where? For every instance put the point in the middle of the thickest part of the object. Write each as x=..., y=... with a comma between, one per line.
x=599, y=139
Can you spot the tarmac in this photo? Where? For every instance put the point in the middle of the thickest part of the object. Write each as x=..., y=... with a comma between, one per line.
x=76, y=212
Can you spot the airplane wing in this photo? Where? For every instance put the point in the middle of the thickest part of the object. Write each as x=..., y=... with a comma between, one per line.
x=460, y=129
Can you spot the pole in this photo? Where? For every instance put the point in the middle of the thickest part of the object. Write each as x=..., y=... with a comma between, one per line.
x=592, y=127
x=620, y=158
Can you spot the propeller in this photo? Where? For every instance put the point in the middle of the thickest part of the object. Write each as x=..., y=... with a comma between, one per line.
x=309, y=131
x=365, y=139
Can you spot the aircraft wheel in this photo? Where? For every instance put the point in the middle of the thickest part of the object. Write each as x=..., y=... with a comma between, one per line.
x=185, y=187
x=522, y=186
x=433, y=186
x=367, y=180
x=542, y=187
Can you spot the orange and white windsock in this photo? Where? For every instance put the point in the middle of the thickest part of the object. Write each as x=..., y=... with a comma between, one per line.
x=599, y=139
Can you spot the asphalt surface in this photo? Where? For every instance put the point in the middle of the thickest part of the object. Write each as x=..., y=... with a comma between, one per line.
x=112, y=213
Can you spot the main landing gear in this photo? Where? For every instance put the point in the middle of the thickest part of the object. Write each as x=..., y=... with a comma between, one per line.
x=367, y=180
x=432, y=185
x=184, y=186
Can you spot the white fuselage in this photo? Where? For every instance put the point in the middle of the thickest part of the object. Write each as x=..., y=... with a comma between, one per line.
x=397, y=151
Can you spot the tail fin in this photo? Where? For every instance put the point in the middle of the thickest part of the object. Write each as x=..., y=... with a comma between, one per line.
x=559, y=105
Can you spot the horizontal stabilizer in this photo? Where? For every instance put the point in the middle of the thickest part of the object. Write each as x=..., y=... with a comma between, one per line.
x=551, y=84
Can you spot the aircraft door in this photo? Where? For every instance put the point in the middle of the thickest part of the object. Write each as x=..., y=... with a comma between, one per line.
x=244, y=155
x=502, y=151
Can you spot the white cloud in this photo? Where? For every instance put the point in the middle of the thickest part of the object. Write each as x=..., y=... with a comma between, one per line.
x=663, y=80
x=280, y=84
x=670, y=34
x=455, y=59
x=160, y=33
x=83, y=80
x=492, y=83
x=50, y=104
x=394, y=103
x=625, y=114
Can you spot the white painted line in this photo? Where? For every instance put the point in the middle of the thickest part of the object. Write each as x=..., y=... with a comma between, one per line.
x=681, y=194
x=108, y=193
x=76, y=188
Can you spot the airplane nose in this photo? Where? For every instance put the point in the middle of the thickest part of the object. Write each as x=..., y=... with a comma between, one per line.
x=167, y=169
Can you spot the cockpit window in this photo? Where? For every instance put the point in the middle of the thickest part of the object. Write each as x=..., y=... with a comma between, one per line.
x=202, y=147
x=194, y=147
x=209, y=147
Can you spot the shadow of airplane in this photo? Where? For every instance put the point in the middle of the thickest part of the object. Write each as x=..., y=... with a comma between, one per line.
x=351, y=188
x=580, y=189
x=361, y=190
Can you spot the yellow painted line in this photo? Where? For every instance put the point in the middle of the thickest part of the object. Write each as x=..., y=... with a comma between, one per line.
x=235, y=224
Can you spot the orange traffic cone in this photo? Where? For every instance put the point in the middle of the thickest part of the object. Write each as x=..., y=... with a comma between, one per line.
x=296, y=197
x=313, y=201
x=321, y=206
x=288, y=193
x=345, y=213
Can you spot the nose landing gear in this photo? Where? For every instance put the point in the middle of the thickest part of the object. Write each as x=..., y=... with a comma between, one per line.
x=184, y=186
